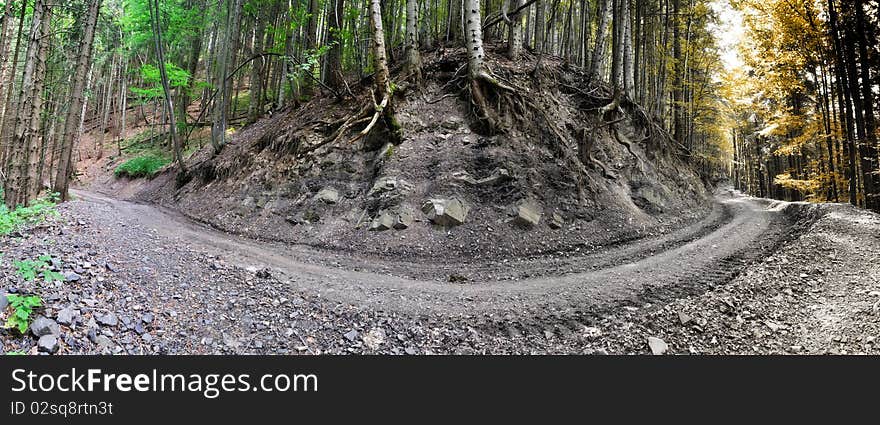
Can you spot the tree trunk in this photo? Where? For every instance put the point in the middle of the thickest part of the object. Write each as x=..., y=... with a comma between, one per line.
x=21, y=187
x=169, y=102
x=598, y=60
x=335, y=77
x=515, y=32
x=413, y=60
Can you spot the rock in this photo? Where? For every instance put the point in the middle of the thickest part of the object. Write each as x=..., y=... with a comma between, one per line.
x=3, y=301
x=383, y=221
x=388, y=184
x=527, y=213
x=310, y=217
x=445, y=212
x=556, y=221
x=658, y=346
x=67, y=316
x=684, y=318
x=249, y=202
x=108, y=319
x=147, y=318
x=351, y=335
x=456, y=278
x=72, y=277
x=103, y=342
x=47, y=344
x=43, y=326
x=328, y=195
x=374, y=338
x=500, y=175
x=592, y=332
x=403, y=220
x=451, y=123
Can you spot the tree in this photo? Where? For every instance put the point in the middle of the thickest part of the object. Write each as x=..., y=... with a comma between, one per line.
x=413, y=60
x=166, y=88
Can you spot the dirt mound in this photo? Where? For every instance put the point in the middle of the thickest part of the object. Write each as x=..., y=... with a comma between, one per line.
x=522, y=191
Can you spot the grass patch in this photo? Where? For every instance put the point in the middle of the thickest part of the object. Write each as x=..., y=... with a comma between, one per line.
x=142, y=166
x=38, y=211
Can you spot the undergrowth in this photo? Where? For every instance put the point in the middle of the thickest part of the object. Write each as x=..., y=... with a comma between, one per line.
x=142, y=166
x=36, y=212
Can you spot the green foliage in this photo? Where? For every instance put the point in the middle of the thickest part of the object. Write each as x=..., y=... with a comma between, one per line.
x=30, y=269
x=141, y=166
x=22, y=307
x=16, y=353
x=177, y=78
x=38, y=211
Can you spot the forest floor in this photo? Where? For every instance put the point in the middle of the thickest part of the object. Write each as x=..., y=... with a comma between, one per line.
x=755, y=276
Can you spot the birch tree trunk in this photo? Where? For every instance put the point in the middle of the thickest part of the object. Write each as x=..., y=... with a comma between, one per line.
x=515, y=32
x=413, y=60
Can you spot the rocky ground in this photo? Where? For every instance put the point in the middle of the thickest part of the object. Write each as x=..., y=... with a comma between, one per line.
x=134, y=289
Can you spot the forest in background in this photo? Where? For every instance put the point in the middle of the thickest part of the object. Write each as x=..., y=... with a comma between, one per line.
x=796, y=122
x=802, y=110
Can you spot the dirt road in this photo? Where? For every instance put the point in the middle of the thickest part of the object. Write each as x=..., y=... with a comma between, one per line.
x=756, y=276
x=691, y=259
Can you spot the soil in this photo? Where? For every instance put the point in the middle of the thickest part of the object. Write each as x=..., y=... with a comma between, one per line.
x=264, y=184
x=769, y=278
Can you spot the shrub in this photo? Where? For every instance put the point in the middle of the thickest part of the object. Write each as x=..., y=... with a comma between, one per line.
x=142, y=166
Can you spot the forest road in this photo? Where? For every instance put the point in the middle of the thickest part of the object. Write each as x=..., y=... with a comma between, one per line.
x=740, y=231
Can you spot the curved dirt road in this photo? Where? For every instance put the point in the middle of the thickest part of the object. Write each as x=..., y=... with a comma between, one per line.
x=740, y=230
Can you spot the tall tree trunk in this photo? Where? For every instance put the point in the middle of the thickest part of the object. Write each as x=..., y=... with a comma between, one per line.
x=225, y=64
x=7, y=130
x=515, y=32
x=628, y=69
x=413, y=60
x=166, y=88
x=598, y=61
x=335, y=77
x=21, y=186
x=870, y=169
x=255, y=108
x=677, y=92
x=540, y=23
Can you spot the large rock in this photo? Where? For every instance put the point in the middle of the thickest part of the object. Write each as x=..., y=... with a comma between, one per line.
x=328, y=195
x=445, y=212
x=383, y=221
x=67, y=316
x=43, y=326
x=658, y=346
x=527, y=213
x=403, y=219
x=48, y=344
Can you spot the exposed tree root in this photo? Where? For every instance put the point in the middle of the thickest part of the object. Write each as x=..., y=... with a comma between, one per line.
x=585, y=153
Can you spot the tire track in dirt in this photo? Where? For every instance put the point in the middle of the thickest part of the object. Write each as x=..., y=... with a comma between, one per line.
x=741, y=230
